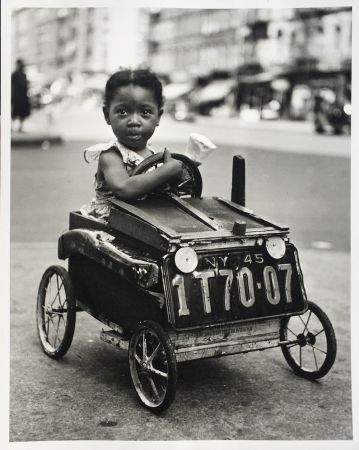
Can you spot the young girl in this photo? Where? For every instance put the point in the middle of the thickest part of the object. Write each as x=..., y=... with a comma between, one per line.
x=133, y=106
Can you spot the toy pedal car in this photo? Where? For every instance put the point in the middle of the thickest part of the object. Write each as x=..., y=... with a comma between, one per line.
x=178, y=277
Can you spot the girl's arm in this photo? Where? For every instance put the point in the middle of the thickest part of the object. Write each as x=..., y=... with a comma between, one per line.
x=130, y=188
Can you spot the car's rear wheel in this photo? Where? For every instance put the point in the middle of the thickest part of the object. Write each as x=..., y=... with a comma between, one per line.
x=55, y=312
x=153, y=366
x=312, y=346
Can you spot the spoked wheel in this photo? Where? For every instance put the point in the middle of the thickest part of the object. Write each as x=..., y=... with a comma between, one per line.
x=153, y=366
x=190, y=183
x=311, y=346
x=55, y=312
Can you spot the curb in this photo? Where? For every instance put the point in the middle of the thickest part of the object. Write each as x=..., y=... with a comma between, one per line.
x=28, y=139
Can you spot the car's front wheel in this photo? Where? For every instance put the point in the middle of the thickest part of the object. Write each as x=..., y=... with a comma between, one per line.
x=153, y=366
x=311, y=344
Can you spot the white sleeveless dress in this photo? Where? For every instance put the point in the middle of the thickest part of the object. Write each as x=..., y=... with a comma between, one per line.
x=99, y=207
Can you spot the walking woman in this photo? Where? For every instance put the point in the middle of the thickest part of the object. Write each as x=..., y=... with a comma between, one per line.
x=20, y=104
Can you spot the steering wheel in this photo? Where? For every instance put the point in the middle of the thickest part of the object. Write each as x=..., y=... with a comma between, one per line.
x=190, y=183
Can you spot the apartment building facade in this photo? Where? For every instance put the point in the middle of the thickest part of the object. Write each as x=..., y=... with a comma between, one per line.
x=197, y=41
x=59, y=41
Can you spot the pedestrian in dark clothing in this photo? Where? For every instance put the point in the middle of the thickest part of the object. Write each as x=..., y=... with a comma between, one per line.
x=20, y=104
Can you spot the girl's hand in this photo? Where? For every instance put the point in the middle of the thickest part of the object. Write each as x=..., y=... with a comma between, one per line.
x=175, y=164
x=166, y=156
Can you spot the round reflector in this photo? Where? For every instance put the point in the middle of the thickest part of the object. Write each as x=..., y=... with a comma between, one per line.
x=186, y=259
x=275, y=247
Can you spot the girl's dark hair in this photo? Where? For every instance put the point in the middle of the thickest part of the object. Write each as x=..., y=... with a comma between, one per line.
x=138, y=77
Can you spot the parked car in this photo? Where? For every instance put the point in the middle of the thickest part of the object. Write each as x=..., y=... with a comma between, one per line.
x=333, y=117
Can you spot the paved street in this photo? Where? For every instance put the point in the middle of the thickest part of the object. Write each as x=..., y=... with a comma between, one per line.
x=293, y=177
x=250, y=396
x=309, y=192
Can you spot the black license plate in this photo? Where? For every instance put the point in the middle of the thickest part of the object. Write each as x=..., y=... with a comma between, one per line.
x=237, y=285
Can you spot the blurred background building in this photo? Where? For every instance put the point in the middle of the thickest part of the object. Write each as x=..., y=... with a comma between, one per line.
x=264, y=63
x=269, y=61
x=62, y=40
x=74, y=48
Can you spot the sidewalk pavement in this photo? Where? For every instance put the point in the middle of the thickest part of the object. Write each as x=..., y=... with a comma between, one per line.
x=35, y=138
x=86, y=123
x=298, y=126
x=81, y=122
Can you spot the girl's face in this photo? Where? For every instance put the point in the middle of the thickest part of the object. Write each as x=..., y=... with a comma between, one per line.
x=133, y=115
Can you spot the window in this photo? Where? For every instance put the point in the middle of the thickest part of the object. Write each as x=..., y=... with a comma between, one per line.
x=259, y=30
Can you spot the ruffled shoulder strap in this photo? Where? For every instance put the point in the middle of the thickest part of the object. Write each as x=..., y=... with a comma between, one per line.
x=93, y=152
x=130, y=157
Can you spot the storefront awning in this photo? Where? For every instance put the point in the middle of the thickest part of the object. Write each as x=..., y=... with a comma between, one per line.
x=176, y=90
x=216, y=90
x=263, y=77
